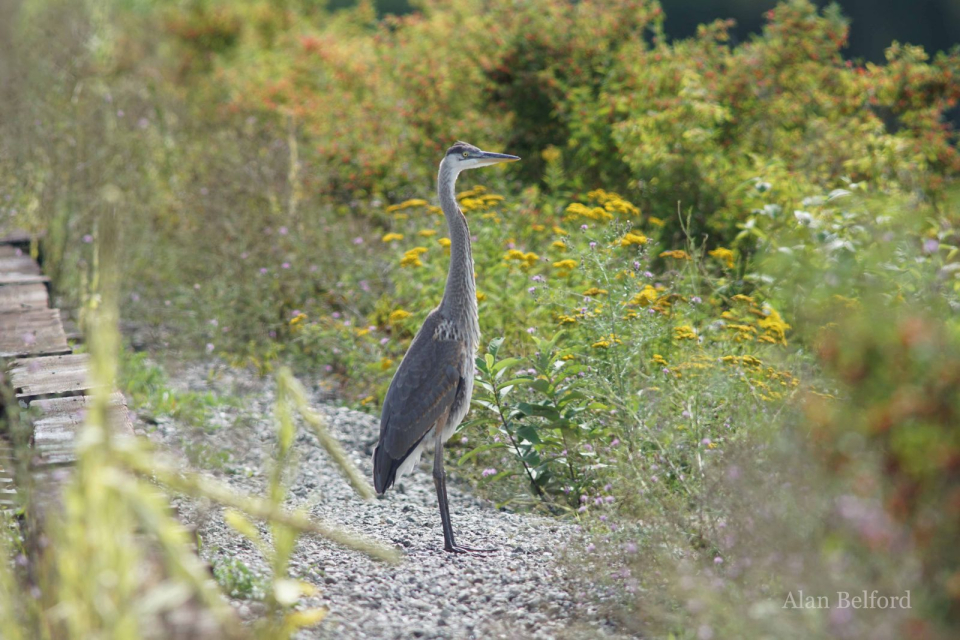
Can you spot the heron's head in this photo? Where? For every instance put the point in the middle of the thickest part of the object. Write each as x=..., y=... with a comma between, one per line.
x=463, y=156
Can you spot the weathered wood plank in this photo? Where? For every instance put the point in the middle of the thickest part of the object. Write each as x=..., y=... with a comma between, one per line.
x=54, y=432
x=17, y=297
x=21, y=278
x=14, y=236
x=8, y=492
x=49, y=375
x=9, y=251
x=19, y=264
x=32, y=332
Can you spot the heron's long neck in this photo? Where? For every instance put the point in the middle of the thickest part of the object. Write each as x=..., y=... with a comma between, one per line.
x=460, y=295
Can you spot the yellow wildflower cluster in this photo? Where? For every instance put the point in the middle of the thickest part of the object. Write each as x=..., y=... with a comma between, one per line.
x=412, y=257
x=753, y=322
x=427, y=233
x=560, y=231
x=565, y=267
x=409, y=204
x=481, y=296
x=632, y=239
x=723, y=255
x=593, y=292
x=659, y=359
x=297, y=319
x=679, y=254
x=774, y=328
x=745, y=361
x=577, y=210
x=390, y=237
x=385, y=364
x=684, y=332
x=550, y=154
x=537, y=227
x=399, y=315
x=526, y=260
x=559, y=245
x=444, y=242
x=647, y=296
x=606, y=342
x=478, y=190
x=655, y=221
x=565, y=319
x=613, y=202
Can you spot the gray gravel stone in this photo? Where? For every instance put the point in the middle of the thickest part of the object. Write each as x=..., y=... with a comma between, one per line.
x=431, y=594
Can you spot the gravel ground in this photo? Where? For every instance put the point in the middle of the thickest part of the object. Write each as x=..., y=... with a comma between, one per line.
x=520, y=591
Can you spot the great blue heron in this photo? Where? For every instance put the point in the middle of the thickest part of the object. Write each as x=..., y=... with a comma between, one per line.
x=430, y=392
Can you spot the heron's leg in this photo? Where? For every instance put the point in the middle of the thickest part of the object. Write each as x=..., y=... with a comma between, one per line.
x=440, y=480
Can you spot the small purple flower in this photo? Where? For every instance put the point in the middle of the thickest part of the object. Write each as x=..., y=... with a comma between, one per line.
x=135, y=296
x=244, y=255
x=532, y=290
x=598, y=501
x=210, y=347
x=591, y=548
x=531, y=330
x=537, y=278
x=119, y=113
x=608, y=487
x=685, y=414
x=583, y=498
x=328, y=368
x=705, y=441
x=593, y=245
x=582, y=509
x=609, y=499
x=930, y=245
x=283, y=231
x=214, y=322
x=647, y=274
x=87, y=238
x=636, y=266
x=384, y=340
x=358, y=240
x=335, y=315
x=364, y=285
x=718, y=560
x=583, y=227
x=614, y=442
x=588, y=447
x=630, y=547
x=696, y=300
x=489, y=472
x=285, y=265
x=511, y=245
x=603, y=518
x=263, y=271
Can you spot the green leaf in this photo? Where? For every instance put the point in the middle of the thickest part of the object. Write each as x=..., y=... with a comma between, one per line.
x=529, y=433
x=502, y=364
x=494, y=346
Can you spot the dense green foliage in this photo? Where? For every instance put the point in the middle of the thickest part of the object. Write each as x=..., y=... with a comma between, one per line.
x=720, y=288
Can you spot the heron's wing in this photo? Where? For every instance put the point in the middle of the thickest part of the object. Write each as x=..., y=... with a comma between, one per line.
x=422, y=391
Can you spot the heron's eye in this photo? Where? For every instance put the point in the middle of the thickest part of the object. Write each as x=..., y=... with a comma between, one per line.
x=466, y=153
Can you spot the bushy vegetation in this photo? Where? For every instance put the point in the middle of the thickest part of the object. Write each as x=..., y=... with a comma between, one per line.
x=718, y=296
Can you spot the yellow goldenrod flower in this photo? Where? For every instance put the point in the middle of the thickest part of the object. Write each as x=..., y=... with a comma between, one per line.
x=676, y=253
x=567, y=319
x=742, y=298
x=593, y=292
x=443, y=242
x=367, y=400
x=426, y=233
x=410, y=261
x=645, y=298
x=633, y=238
x=559, y=231
x=399, y=315
x=601, y=344
x=385, y=363
x=659, y=359
x=684, y=332
x=537, y=227
x=568, y=357
x=657, y=222
x=550, y=154
x=390, y=237
x=560, y=245
x=297, y=319
x=723, y=255
x=416, y=202
x=774, y=327
x=435, y=210
x=565, y=264
x=481, y=296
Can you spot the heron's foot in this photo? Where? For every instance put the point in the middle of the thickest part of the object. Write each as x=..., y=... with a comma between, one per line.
x=456, y=548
